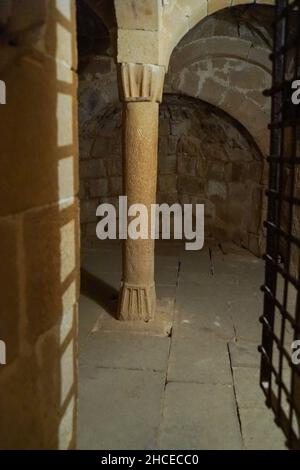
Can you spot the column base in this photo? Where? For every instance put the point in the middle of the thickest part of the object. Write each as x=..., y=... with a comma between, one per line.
x=136, y=302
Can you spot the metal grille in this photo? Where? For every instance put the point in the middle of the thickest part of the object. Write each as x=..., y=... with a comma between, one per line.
x=280, y=373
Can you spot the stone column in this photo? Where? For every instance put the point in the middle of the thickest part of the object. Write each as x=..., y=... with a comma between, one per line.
x=142, y=91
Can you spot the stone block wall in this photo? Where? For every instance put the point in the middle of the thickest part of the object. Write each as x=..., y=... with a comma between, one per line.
x=39, y=224
x=224, y=60
x=212, y=154
x=100, y=169
x=204, y=156
x=218, y=164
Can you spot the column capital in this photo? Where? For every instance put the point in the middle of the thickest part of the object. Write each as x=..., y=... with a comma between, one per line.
x=142, y=82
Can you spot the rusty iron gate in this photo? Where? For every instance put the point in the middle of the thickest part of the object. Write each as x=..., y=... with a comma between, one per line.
x=280, y=348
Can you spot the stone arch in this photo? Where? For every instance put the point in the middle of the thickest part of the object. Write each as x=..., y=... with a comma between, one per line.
x=226, y=65
x=234, y=85
x=204, y=156
x=181, y=16
x=242, y=70
x=217, y=163
x=228, y=70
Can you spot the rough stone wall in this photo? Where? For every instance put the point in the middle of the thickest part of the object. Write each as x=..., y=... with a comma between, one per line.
x=100, y=169
x=218, y=164
x=39, y=227
x=204, y=156
x=223, y=61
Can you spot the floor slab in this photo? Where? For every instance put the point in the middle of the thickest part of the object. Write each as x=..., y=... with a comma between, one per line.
x=194, y=315
x=244, y=354
x=99, y=259
x=89, y=314
x=245, y=315
x=186, y=388
x=247, y=388
x=125, y=351
x=119, y=409
x=202, y=359
x=260, y=431
x=199, y=416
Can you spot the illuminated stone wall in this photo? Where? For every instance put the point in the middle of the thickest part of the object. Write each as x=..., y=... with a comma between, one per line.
x=39, y=228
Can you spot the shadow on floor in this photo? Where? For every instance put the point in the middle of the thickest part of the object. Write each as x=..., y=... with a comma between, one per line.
x=99, y=291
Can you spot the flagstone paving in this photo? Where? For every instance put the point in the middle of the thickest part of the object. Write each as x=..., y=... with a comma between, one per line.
x=195, y=386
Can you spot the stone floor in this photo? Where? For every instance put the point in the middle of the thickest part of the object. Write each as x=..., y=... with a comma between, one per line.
x=196, y=388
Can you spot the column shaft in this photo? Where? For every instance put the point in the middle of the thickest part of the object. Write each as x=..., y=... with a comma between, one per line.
x=140, y=137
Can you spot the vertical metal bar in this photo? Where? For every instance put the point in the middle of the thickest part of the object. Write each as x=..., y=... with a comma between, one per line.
x=287, y=254
x=273, y=209
x=282, y=201
x=295, y=402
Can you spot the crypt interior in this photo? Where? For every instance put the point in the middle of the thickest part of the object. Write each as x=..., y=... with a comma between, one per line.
x=134, y=344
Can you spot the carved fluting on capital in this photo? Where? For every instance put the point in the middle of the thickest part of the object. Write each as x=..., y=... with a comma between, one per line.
x=142, y=82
